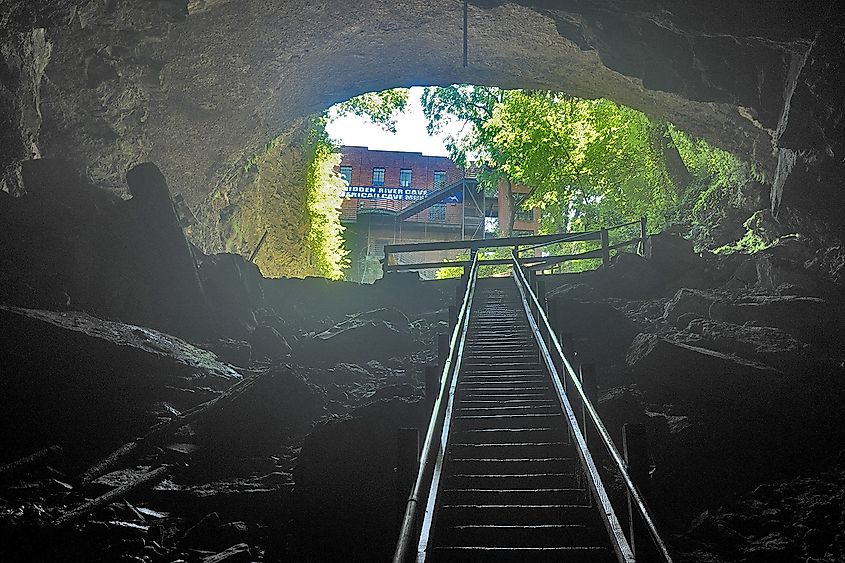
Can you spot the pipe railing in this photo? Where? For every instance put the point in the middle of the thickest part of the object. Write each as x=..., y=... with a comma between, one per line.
x=621, y=545
x=603, y=235
x=519, y=245
x=434, y=447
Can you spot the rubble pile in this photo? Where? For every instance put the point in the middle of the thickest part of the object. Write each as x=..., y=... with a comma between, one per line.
x=165, y=405
x=739, y=384
x=159, y=399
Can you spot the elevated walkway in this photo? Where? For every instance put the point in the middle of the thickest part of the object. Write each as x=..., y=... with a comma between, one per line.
x=509, y=486
x=437, y=196
x=507, y=471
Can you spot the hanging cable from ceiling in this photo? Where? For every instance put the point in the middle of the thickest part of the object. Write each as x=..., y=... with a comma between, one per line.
x=466, y=44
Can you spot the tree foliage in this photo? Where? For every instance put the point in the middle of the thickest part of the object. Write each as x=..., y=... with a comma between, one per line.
x=717, y=173
x=587, y=162
x=324, y=196
x=381, y=108
x=294, y=197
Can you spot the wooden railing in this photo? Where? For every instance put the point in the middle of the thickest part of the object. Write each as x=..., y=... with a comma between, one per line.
x=520, y=245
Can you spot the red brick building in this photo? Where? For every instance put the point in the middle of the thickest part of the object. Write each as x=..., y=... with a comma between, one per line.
x=395, y=197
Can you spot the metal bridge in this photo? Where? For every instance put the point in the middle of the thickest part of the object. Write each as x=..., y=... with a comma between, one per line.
x=507, y=470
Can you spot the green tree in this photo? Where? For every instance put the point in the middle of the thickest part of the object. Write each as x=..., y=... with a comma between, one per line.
x=381, y=108
x=587, y=162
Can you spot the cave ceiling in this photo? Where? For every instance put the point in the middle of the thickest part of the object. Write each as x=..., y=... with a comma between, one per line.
x=199, y=86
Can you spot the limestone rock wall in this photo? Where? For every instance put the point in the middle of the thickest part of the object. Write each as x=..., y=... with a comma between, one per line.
x=199, y=86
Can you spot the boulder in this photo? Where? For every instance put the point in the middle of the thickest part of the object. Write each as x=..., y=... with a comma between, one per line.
x=766, y=344
x=238, y=553
x=772, y=272
x=676, y=262
x=350, y=385
x=688, y=304
x=312, y=304
x=236, y=352
x=811, y=319
x=382, y=333
x=345, y=479
x=54, y=238
x=165, y=278
x=69, y=245
x=83, y=380
x=796, y=519
x=573, y=291
x=234, y=291
x=691, y=374
x=830, y=263
x=268, y=343
x=279, y=406
x=629, y=276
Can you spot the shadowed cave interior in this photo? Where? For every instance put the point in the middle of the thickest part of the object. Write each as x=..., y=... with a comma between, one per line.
x=255, y=418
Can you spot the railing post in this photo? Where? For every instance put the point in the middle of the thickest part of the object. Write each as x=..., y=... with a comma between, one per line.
x=555, y=324
x=605, y=247
x=645, y=243
x=530, y=277
x=407, y=465
x=568, y=346
x=635, y=447
x=587, y=376
x=442, y=350
x=432, y=378
x=565, y=339
x=540, y=291
x=460, y=289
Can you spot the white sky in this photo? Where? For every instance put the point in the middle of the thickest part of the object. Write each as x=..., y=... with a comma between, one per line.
x=411, y=134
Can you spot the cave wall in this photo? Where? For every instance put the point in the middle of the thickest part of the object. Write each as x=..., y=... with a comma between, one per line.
x=199, y=86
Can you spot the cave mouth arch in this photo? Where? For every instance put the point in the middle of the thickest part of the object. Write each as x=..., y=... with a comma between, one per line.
x=199, y=88
x=677, y=76
x=622, y=139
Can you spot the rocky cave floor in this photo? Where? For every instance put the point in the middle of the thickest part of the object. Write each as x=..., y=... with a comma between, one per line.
x=260, y=425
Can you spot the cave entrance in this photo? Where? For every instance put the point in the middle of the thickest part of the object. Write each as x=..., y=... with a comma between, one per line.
x=461, y=162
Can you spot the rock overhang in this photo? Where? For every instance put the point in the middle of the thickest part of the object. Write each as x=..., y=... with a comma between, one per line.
x=199, y=86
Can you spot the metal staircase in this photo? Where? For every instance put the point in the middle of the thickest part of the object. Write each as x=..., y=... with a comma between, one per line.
x=506, y=473
x=509, y=488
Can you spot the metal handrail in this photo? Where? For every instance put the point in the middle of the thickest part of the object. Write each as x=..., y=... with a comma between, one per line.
x=569, y=238
x=573, y=237
x=618, y=460
x=433, y=449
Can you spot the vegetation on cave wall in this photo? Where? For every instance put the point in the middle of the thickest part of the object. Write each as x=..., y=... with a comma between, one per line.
x=324, y=191
x=721, y=184
x=290, y=190
x=295, y=198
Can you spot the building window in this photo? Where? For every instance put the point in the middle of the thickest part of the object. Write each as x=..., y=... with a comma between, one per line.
x=526, y=215
x=378, y=176
x=405, y=178
x=439, y=179
x=437, y=213
x=346, y=174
